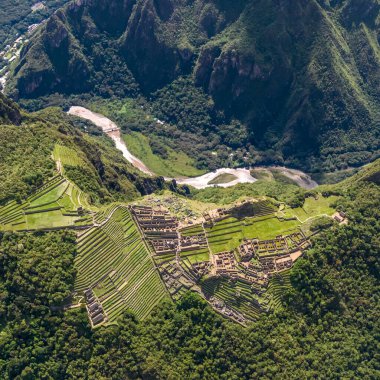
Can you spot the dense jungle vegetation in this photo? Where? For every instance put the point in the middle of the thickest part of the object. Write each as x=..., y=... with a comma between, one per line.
x=328, y=326
x=26, y=157
x=280, y=83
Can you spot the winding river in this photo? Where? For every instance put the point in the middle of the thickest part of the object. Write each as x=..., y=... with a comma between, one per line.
x=201, y=182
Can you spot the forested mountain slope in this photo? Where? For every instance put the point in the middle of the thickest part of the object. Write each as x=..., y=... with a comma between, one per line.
x=9, y=111
x=302, y=77
x=29, y=143
x=327, y=327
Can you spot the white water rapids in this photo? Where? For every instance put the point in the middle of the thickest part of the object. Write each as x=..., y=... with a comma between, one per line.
x=201, y=182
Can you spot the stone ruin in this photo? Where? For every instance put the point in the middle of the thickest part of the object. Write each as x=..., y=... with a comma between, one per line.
x=159, y=228
x=94, y=308
x=279, y=246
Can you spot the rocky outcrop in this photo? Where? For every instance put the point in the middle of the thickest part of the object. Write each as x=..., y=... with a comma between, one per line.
x=149, y=185
x=289, y=71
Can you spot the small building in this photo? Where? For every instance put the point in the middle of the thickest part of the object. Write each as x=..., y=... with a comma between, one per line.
x=94, y=306
x=99, y=318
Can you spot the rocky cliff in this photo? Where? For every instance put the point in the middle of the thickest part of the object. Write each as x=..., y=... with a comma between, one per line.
x=302, y=76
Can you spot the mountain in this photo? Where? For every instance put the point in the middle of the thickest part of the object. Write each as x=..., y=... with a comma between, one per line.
x=301, y=77
x=30, y=142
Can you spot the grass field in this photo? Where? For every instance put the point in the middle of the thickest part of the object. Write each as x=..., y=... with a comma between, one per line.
x=198, y=255
x=54, y=205
x=177, y=164
x=227, y=234
x=53, y=195
x=67, y=156
x=312, y=208
x=195, y=255
x=51, y=219
x=114, y=261
x=193, y=230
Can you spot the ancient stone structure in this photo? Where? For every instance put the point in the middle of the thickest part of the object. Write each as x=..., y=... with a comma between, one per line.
x=94, y=308
x=158, y=227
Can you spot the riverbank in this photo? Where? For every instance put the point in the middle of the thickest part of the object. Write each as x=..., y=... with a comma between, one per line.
x=242, y=175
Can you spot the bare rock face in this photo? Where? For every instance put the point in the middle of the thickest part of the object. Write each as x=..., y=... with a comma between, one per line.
x=234, y=72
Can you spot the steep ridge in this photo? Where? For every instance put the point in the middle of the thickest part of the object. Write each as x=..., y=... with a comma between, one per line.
x=302, y=77
x=36, y=146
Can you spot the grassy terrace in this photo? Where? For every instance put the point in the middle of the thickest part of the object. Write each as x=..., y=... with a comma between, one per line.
x=114, y=261
x=237, y=296
x=312, y=208
x=193, y=230
x=195, y=255
x=241, y=297
x=278, y=285
x=67, y=156
x=227, y=234
x=54, y=205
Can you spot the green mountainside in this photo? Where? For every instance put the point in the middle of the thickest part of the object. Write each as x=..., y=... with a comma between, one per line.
x=16, y=16
x=279, y=82
x=108, y=273
x=9, y=111
x=322, y=319
x=30, y=152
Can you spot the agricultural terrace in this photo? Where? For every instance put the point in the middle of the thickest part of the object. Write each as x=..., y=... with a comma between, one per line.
x=227, y=234
x=198, y=250
x=278, y=285
x=56, y=204
x=67, y=156
x=114, y=261
x=249, y=300
x=236, y=295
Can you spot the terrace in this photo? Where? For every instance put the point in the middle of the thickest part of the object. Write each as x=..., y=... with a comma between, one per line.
x=114, y=262
x=273, y=247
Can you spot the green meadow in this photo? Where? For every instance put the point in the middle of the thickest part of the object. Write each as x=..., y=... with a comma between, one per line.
x=176, y=164
x=228, y=234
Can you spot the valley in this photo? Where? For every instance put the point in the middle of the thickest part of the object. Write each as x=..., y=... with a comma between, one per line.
x=189, y=189
x=206, y=180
